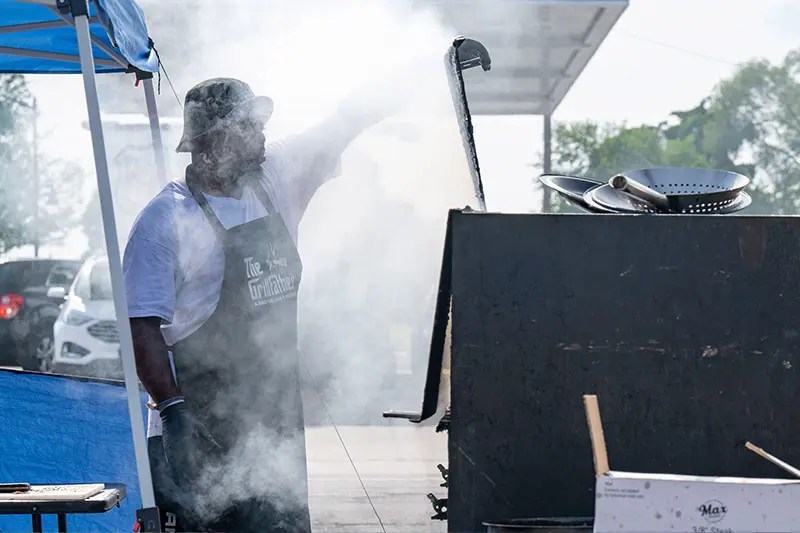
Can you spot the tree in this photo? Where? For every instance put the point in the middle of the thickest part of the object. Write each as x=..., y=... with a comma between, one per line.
x=58, y=181
x=756, y=120
x=702, y=124
x=59, y=200
x=14, y=97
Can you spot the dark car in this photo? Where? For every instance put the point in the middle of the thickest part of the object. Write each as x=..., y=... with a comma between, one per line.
x=31, y=294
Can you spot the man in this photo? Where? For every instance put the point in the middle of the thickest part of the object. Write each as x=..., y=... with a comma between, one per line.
x=211, y=274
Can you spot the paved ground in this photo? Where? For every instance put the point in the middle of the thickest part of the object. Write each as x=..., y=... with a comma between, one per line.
x=398, y=467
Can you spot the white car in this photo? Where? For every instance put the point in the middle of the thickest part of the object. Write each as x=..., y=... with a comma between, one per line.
x=86, y=341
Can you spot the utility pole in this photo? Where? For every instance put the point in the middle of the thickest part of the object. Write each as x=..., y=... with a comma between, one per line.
x=35, y=179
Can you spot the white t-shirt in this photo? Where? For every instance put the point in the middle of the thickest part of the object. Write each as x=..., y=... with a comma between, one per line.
x=173, y=265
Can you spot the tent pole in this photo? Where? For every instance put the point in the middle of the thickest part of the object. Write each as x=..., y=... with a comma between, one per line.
x=155, y=129
x=80, y=15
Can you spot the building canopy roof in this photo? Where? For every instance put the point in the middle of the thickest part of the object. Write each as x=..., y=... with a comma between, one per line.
x=538, y=48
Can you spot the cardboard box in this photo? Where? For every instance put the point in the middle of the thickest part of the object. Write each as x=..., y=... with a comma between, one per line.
x=628, y=502
x=661, y=503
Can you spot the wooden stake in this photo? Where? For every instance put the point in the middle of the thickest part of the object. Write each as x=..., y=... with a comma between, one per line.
x=596, y=432
x=772, y=459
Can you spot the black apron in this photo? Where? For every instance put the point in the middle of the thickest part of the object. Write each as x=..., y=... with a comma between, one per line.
x=239, y=374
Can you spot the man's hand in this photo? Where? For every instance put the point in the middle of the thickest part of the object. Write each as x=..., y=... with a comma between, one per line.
x=186, y=441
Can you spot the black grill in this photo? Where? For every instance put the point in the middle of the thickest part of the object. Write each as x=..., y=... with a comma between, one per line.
x=105, y=330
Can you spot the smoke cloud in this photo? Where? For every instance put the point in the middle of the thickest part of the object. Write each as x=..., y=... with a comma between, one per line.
x=371, y=240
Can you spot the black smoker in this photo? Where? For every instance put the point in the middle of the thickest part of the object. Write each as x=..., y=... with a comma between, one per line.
x=685, y=326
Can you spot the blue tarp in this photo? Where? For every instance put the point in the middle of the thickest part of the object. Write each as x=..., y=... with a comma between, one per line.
x=31, y=27
x=66, y=430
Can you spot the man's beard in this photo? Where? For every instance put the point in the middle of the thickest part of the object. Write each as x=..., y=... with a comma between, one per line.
x=222, y=172
x=231, y=154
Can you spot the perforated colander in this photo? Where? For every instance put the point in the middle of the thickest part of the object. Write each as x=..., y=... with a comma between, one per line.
x=692, y=190
x=606, y=198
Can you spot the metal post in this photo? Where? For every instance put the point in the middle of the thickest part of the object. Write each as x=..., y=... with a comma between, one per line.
x=80, y=15
x=544, y=14
x=155, y=129
x=35, y=179
x=547, y=163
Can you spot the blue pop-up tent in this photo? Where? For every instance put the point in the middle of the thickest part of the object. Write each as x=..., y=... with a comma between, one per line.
x=87, y=37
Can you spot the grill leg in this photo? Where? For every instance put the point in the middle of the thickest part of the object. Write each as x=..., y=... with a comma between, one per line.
x=62, y=523
x=36, y=519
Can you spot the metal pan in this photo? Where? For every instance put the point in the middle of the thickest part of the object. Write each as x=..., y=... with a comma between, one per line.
x=594, y=207
x=572, y=189
x=616, y=201
x=742, y=202
x=608, y=198
x=585, y=206
x=691, y=189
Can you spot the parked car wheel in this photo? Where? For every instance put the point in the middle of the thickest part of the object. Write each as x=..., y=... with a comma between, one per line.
x=38, y=355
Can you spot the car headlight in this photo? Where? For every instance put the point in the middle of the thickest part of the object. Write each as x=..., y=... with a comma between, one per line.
x=76, y=318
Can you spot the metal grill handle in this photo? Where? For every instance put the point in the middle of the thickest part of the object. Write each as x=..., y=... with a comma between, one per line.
x=638, y=191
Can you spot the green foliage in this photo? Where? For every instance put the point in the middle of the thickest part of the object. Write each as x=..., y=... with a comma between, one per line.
x=757, y=117
x=58, y=181
x=14, y=97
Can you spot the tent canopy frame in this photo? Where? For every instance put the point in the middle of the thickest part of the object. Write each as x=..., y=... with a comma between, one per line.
x=76, y=14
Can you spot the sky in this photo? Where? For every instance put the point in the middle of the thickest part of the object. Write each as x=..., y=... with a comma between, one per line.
x=662, y=55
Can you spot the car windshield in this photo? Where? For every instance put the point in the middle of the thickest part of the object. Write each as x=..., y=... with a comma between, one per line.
x=61, y=276
x=100, y=282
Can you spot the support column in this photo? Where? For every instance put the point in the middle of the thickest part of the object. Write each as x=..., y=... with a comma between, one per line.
x=544, y=13
x=547, y=203
x=155, y=129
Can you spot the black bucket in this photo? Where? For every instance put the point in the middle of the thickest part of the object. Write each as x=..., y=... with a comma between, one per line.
x=541, y=525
